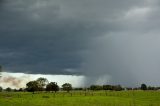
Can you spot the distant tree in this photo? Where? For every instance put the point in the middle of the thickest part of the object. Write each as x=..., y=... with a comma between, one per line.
x=78, y=89
x=157, y=88
x=8, y=89
x=15, y=90
x=0, y=70
x=67, y=87
x=107, y=87
x=113, y=87
x=20, y=89
x=42, y=82
x=93, y=87
x=143, y=87
x=118, y=88
x=32, y=86
x=1, y=89
x=96, y=87
x=136, y=88
x=129, y=88
x=151, y=88
x=52, y=86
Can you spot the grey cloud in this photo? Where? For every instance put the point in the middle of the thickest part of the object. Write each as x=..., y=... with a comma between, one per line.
x=40, y=46
x=89, y=37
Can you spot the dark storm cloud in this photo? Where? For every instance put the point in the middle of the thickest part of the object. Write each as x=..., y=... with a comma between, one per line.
x=36, y=38
x=98, y=38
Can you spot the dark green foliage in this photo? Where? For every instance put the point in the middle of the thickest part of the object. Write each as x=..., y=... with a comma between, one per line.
x=42, y=82
x=15, y=90
x=113, y=87
x=78, y=89
x=143, y=87
x=1, y=89
x=32, y=86
x=67, y=87
x=96, y=87
x=128, y=88
x=20, y=89
x=0, y=68
x=107, y=87
x=117, y=88
x=8, y=89
x=52, y=86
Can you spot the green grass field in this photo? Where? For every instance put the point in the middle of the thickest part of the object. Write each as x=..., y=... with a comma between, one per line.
x=80, y=98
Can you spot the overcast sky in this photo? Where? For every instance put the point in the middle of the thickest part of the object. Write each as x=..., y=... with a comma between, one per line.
x=114, y=41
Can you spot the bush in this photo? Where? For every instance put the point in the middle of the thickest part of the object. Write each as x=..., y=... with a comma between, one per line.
x=1, y=89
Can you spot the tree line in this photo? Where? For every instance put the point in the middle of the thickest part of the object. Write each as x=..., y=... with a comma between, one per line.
x=42, y=84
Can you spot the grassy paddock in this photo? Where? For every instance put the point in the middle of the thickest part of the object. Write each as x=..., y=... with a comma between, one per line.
x=81, y=98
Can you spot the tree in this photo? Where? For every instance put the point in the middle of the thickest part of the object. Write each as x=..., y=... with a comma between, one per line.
x=1, y=89
x=32, y=86
x=67, y=87
x=78, y=89
x=96, y=87
x=52, y=86
x=151, y=88
x=0, y=70
x=92, y=87
x=20, y=89
x=107, y=87
x=8, y=89
x=118, y=88
x=42, y=82
x=143, y=87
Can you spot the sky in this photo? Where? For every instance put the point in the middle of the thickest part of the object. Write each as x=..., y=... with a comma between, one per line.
x=19, y=80
x=107, y=41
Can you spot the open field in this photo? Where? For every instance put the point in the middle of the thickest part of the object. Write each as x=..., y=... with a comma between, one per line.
x=81, y=98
